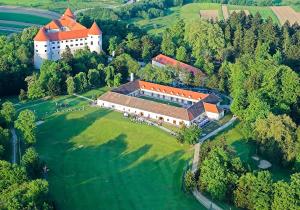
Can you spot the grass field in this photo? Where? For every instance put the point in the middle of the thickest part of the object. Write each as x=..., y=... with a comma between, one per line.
x=60, y=6
x=23, y=18
x=265, y=12
x=100, y=160
x=12, y=25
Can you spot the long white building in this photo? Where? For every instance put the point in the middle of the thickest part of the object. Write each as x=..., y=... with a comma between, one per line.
x=53, y=39
x=142, y=98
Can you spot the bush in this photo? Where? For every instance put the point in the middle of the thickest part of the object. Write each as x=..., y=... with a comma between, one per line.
x=189, y=180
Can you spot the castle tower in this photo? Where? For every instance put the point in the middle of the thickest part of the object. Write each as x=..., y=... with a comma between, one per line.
x=95, y=38
x=41, y=48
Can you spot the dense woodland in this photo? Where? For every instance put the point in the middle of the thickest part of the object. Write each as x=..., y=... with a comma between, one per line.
x=253, y=60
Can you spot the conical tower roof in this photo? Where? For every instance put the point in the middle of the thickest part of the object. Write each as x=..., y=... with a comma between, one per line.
x=41, y=35
x=95, y=30
x=69, y=13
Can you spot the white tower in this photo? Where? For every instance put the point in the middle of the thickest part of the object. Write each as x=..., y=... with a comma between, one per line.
x=41, y=48
x=95, y=38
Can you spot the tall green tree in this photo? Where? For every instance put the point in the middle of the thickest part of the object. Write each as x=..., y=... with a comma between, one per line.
x=25, y=124
x=8, y=112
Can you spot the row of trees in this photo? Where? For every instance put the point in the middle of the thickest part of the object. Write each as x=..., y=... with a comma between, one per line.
x=224, y=177
x=21, y=186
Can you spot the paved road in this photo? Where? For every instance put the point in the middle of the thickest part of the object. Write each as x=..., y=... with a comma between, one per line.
x=14, y=141
x=30, y=11
x=86, y=98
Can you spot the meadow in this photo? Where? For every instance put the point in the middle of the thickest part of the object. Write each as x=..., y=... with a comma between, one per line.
x=26, y=18
x=99, y=159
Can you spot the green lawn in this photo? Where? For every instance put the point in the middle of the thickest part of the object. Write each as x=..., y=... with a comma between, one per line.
x=100, y=160
x=60, y=6
x=160, y=101
x=265, y=12
x=24, y=18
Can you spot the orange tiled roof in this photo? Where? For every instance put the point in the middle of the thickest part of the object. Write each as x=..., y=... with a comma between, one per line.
x=69, y=13
x=74, y=29
x=172, y=91
x=165, y=60
x=41, y=35
x=95, y=30
x=211, y=107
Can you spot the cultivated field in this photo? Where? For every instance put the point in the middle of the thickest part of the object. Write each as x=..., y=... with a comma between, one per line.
x=60, y=6
x=286, y=13
x=209, y=14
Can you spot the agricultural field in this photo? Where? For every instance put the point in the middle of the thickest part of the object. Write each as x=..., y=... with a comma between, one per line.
x=189, y=13
x=60, y=6
x=286, y=13
x=265, y=12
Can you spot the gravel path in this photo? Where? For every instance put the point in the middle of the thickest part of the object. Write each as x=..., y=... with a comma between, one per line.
x=14, y=141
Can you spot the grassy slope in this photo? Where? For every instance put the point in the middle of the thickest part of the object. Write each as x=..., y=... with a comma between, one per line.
x=23, y=18
x=60, y=6
x=293, y=3
x=99, y=160
x=265, y=12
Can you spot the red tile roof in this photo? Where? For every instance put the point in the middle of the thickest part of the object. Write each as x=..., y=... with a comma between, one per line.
x=41, y=35
x=69, y=13
x=165, y=60
x=211, y=108
x=172, y=91
x=74, y=29
x=95, y=30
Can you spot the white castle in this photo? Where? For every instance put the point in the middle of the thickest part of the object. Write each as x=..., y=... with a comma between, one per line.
x=53, y=39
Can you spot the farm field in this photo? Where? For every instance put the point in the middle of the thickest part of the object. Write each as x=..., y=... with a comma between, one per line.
x=265, y=12
x=60, y=6
x=26, y=18
x=286, y=13
x=189, y=13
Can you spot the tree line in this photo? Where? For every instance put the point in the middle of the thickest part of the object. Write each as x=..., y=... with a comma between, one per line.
x=22, y=186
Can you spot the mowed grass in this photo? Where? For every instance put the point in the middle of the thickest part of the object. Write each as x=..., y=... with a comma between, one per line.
x=265, y=12
x=60, y=6
x=24, y=18
x=100, y=160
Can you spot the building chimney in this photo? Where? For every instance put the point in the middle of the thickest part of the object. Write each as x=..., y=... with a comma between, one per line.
x=131, y=77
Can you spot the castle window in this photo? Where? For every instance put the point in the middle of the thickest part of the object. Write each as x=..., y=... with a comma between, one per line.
x=67, y=41
x=45, y=50
x=71, y=40
x=45, y=45
x=76, y=39
x=92, y=43
x=76, y=44
x=71, y=45
x=80, y=39
x=36, y=51
x=81, y=43
x=58, y=47
x=53, y=47
x=85, y=39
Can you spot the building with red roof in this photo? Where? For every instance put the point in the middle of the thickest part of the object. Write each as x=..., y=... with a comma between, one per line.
x=53, y=39
x=164, y=61
x=171, y=105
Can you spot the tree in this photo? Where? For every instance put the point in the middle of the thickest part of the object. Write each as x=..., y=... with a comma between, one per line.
x=117, y=80
x=113, y=43
x=254, y=191
x=80, y=81
x=70, y=85
x=35, y=89
x=94, y=78
x=30, y=160
x=109, y=75
x=167, y=45
x=189, y=180
x=67, y=55
x=8, y=112
x=25, y=123
x=22, y=95
x=181, y=54
x=189, y=134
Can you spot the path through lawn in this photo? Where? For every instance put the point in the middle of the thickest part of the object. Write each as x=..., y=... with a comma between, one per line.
x=100, y=160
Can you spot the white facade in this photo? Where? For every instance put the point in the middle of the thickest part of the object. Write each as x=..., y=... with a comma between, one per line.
x=52, y=50
x=215, y=116
x=135, y=111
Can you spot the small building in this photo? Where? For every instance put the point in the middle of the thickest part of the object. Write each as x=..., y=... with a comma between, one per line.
x=142, y=98
x=164, y=61
x=53, y=39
